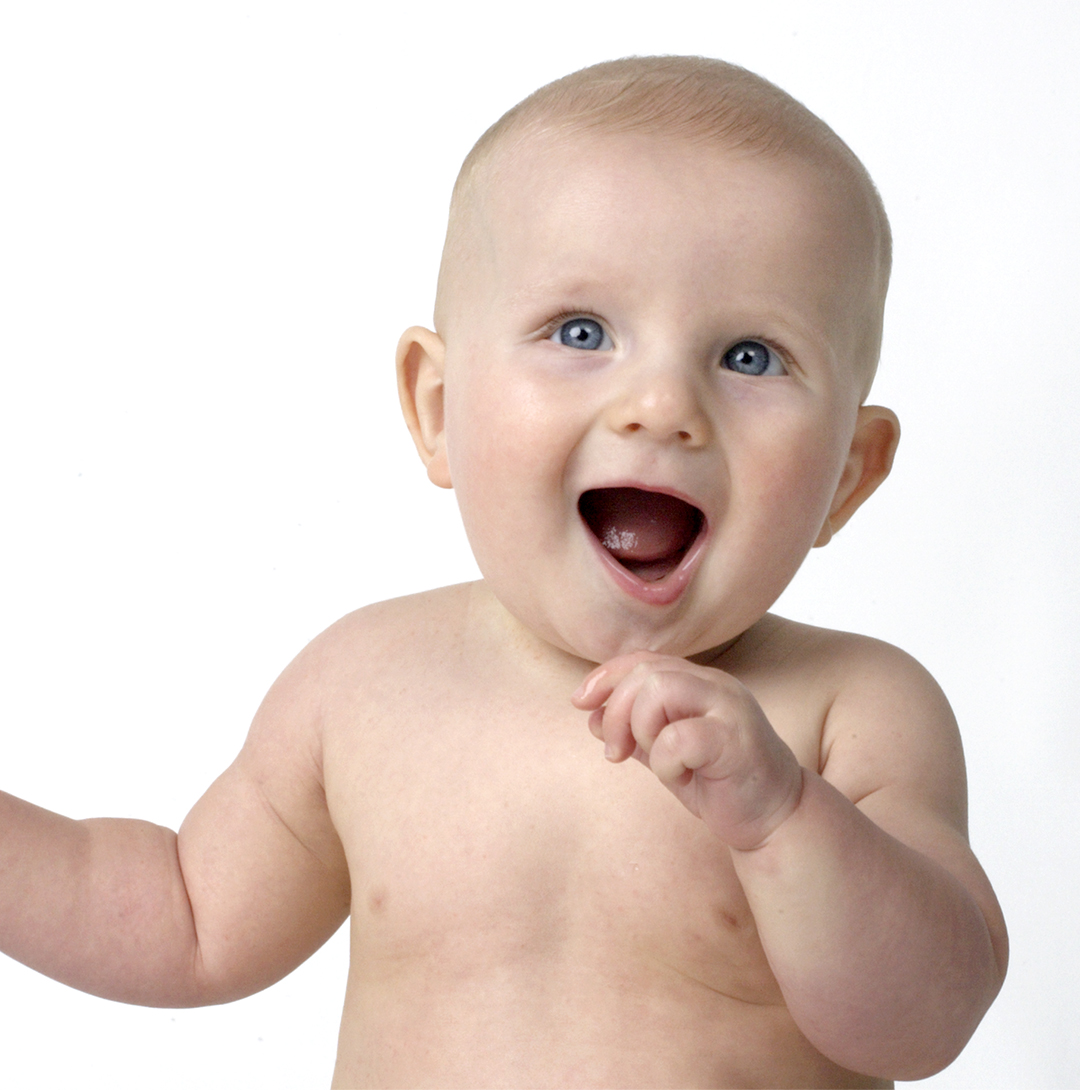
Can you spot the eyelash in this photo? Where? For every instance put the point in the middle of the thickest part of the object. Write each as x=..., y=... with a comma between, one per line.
x=566, y=316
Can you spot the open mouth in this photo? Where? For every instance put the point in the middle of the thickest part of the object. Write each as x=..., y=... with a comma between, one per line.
x=648, y=533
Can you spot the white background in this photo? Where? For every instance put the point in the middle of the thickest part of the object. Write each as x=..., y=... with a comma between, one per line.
x=215, y=219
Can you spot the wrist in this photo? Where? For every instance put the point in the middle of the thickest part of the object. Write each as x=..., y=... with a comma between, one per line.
x=756, y=835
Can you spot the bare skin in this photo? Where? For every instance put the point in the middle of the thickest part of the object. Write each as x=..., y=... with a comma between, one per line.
x=523, y=912
x=778, y=890
x=526, y=914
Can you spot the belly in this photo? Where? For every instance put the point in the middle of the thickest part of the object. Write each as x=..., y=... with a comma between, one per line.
x=584, y=1025
x=570, y=927
x=526, y=914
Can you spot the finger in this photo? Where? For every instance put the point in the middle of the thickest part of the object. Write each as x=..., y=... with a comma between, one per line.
x=633, y=714
x=601, y=682
x=651, y=695
x=612, y=727
x=667, y=696
x=655, y=692
x=653, y=707
x=596, y=723
x=684, y=747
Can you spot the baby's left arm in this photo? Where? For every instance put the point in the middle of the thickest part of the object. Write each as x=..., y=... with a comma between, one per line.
x=877, y=920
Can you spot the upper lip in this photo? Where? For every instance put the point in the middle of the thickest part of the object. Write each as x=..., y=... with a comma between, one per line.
x=641, y=486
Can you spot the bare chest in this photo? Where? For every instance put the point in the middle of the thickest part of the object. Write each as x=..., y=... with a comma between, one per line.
x=493, y=838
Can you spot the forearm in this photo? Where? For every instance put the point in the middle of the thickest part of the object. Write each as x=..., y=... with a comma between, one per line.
x=885, y=959
x=100, y=905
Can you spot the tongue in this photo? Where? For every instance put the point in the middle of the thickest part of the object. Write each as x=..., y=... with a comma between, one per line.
x=648, y=532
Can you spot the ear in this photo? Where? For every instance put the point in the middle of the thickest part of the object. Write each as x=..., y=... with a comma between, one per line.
x=877, y=433
x=420, y=357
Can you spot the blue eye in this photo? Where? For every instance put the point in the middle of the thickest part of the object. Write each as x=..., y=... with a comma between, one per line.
x=582, y=333
x=752, y=358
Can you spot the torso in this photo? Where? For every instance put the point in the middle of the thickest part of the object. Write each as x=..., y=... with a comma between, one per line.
x=523, y=912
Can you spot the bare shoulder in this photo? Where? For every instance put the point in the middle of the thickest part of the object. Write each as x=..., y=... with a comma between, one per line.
x=887, y=732
x=841, y=662
x=284, y=751
x=889, y=742
x=353, y=675
x=386, y=634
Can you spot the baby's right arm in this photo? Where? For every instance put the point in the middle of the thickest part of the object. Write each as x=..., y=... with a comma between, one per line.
x=253, y=884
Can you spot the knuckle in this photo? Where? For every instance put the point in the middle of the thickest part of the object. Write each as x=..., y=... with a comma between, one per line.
x=643, y=672
x=733, y=689
x=681, y=739
x=653, y=682
x=642, y=659
x=665, y=757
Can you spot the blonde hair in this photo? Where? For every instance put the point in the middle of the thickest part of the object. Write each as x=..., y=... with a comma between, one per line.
x=696, y=99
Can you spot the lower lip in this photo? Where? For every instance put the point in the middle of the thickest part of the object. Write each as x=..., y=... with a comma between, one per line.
x=664, y=591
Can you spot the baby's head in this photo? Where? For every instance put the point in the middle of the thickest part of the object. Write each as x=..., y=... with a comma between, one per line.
x=659, y=313
x=695, y=101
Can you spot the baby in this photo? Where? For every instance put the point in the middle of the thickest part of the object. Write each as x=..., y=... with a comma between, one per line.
x=658, y=318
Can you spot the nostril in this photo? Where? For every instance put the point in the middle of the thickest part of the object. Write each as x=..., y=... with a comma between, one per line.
x=684, y=435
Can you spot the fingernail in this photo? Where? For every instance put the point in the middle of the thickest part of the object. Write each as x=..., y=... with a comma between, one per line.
x=609, y=751
x=582, y=691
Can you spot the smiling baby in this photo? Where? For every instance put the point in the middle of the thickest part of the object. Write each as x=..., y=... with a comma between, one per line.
x=658, y=319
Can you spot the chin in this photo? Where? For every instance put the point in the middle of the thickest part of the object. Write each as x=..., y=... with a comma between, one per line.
x=593, y=645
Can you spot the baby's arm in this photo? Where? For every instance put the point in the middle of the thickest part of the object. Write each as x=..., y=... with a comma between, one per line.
x=878, y=922
x=254, y=882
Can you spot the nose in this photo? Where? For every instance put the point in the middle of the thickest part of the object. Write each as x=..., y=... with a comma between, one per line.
x=662, y=400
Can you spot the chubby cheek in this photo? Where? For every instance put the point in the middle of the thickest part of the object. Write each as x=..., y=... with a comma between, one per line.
x=504, y=458
x=783, y=490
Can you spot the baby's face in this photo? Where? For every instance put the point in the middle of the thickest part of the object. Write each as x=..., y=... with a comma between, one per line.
x=652, y=380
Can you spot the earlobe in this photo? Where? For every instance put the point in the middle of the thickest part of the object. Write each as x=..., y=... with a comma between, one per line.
x=873, y=447
x=420, y=357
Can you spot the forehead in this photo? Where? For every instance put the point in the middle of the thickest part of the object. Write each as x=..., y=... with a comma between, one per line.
x=666, y=217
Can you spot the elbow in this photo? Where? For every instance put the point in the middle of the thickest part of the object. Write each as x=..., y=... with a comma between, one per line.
x=935, y=1034
x=929, y=1030
x=921, y=1059
x=908, y=1060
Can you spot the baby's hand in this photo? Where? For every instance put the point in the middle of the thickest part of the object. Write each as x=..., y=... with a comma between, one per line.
x=704, y=736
